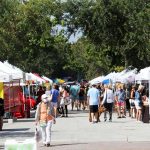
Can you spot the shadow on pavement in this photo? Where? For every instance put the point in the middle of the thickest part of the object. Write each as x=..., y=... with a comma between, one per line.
x=77, y=116
x=26, y=120
x=1, y=146
x=78, y=112
x=65, y=144
x=19, y=129
x=12, y=133
x=113, y=122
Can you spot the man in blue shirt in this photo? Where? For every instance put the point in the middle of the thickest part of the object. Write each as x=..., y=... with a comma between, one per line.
x=120, y=99
x=93, y=97
x=55, y=97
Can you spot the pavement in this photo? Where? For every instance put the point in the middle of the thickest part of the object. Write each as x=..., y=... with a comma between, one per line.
x=76, y=133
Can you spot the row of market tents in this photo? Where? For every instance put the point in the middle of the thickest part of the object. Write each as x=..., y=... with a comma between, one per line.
x=9, y=72
x=13, y=86
x=127, y=76
x=13, y=82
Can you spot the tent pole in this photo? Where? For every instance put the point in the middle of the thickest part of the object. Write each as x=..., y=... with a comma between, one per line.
x=29, y=94
x=9, y=101
x=149, y=94
x=24, y=105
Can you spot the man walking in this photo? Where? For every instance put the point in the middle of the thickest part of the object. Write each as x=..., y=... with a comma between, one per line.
x=54, y=99
x=120, y=99
x=93, y=98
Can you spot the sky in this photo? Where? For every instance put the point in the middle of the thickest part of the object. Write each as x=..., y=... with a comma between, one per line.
x=73, y=38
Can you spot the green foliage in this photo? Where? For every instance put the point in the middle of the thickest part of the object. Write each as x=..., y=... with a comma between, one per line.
x=119, y=68
x=119, y=28
x=8, y=20
x=115, y=36
x=27, y=39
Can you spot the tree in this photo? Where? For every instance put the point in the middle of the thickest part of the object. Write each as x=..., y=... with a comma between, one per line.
x=84, y=61
x=119, y=29
x=33, y=46
x=115, y=36
x=8, y=21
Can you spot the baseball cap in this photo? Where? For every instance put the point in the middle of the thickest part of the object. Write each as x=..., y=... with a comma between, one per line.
x=44, y=96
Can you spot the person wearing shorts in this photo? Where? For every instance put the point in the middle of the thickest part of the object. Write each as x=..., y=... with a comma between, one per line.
x=55, y=97
x=93, y=108
x=138, y=102
x=81, y=98
x=74, y=96
x=108, y=101
x=120, y=100
x=132, y=102
x=93, y=97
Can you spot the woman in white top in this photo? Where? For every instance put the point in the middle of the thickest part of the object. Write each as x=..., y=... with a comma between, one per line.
x=108, y=101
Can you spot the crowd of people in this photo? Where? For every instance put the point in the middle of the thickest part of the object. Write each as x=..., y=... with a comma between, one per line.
x=126, y=101
x=54, y=103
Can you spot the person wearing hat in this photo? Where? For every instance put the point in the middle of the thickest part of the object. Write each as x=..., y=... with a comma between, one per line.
x=45, y=119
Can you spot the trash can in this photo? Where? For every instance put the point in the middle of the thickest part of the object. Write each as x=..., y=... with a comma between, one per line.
x=145, y=114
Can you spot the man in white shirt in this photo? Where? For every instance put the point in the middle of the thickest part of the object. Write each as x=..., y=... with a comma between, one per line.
x=108, y=101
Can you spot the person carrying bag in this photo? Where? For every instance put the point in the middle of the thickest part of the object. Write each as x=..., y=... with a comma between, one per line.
x=44, y=119
x=108, y=102
x=65, y=100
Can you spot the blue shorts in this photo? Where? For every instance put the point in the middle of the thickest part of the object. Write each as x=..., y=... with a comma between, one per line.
x=74, y=98
x=81, y=98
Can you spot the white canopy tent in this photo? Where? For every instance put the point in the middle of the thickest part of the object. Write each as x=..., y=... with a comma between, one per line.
x=97, y=80
x=9, y=72
x=46, y=78
x=144, y=74
x=111, y=76
x=127, y=77
x=4, y=77
x=17, y=70
x=119, y=75
x=31, y=76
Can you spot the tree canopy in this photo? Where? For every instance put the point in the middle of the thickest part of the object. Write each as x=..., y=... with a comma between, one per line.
x=115, y=35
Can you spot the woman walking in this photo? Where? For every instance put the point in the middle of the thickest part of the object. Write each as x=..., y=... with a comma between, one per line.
x=66, y=99
x=132, y=100
x=108, y=101
x=138, y=102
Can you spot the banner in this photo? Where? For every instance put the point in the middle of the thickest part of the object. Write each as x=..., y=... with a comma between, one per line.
x=1, y=90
